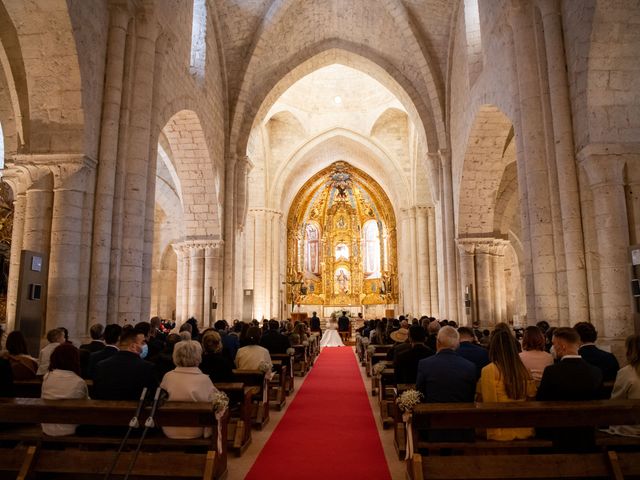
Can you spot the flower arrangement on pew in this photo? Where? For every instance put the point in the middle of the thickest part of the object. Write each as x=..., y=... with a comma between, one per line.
x=220, y=402
x=371, y=349
x=291, y=351
x=406, y=402
x=267, y=369
x=365, y=341
x=409, y=399
x=378, y=368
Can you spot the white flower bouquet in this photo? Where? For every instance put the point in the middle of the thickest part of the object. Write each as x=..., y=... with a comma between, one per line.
x=265, y=367
x=409, y=399
x=305, y=343
x=378, y=368
x=291, y=351
x=365, y=341
x=371, y=349
x=220, y=402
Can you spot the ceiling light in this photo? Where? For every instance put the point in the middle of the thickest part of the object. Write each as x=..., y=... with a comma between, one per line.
x=337, y=99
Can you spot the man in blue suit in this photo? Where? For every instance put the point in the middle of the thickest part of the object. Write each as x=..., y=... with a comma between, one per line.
x=476, y=354
x=447, y=377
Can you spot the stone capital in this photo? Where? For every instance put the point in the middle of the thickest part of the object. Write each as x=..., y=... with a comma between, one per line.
x=466, y=246
x=549, y=7
x=121, y=11
x=604, y=170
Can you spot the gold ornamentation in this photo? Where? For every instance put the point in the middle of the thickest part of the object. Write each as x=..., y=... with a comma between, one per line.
x=338, y=201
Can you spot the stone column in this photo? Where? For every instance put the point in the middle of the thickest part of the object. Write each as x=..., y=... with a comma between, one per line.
x=450, y=271
x=275, y=263
x=466, y=251
x=405, y=264
x=180, y=275
x=565, y=161
x=19, y=212
x=64, y=291
x=424, y=293
x=605, y=172
x=415, y=286
x=499, y=285
x=260, y=263
x=135, y=210
x=484, y=283
x=119, y=16
x=433, y=272
x=531, y=128
x=229, y=238
x=37, y=219
x=211, y=280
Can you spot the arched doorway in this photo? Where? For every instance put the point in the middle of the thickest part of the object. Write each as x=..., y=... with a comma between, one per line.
x=341, y=243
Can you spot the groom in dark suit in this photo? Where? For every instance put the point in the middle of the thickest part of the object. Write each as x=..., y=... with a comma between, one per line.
x=314, y=324
x=344, y=326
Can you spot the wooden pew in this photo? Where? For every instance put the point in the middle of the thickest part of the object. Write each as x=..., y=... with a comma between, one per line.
x=160, y=456
x=257, y=381
x=590, y=414
x=277, y=385
x=287, y=360
x=240, y=408
x=399, y=430
x=301, y=362
x=387, y=397
x=379, y=351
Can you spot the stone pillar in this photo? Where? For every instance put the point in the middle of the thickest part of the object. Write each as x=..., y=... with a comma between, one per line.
x=405, y=264
x=484, y=283
x=577, y=294
x=466, y=251
x=211, y=281
x=450, y=271
x=275, y=263
x=424, y=293
x=133, y=229
x=433, y=272
x=119, y=17
x=180, y=275
x=415, y=286
x=530, y=128
x=37, y=219
x=499, y=284
x=64, y=291
x=259, y=263
x=19, y=211
x=605, y=172
x=196, y=280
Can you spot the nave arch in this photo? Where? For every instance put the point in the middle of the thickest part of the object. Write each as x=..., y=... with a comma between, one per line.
x=488, y=226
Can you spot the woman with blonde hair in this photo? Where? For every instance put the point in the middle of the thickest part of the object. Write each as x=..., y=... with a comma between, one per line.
x=505, y=379
x=214, y=363
x=186, y=383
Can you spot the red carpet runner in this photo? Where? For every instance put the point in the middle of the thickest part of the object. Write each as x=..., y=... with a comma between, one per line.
x=329, y=431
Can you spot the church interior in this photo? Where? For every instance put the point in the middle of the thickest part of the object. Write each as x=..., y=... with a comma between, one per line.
x=476, y=161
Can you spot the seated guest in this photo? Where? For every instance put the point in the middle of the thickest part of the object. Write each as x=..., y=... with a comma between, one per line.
x=597, y=357
x=95, y=345
x=96, y=333
x=252, y=355
x=23, y=365
x=123, y=375
x=534, y=357
x=447, y=377
x=6, y=375
x=214, y=362
x=570, y=379
x=153, y=345
x=401, y=339
x=230, y=343
x=186, y=383
x=627, y=385
x=300, y=330
x=164, y=361
x=111, y=337
x=472, y=352
x=432, y=334
x=195, y=333
x=505, y=379
x=63, y=381
x=406, y=363
x=273, y=340
x=55, y=337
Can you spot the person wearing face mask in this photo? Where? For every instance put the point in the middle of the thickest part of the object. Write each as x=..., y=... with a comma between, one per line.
x=123, y=375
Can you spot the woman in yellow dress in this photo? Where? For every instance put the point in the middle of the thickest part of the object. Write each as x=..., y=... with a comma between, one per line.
x=505, y=379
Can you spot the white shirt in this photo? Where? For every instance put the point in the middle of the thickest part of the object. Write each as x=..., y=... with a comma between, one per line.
x=250, y=357
x=44, y=357
x=187, y=384
x=62, y=384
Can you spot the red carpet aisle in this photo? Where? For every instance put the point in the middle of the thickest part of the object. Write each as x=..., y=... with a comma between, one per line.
x=329, y=431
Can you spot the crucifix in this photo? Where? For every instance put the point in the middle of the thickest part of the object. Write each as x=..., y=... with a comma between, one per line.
x=292, y=284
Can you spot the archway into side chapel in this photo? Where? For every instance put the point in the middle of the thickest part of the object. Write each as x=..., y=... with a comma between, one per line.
x=341, y=243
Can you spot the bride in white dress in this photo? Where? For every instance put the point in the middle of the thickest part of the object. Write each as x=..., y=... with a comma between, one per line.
x=331, y=337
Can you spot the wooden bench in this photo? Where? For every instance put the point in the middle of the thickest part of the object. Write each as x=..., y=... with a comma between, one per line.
x=287, y=360
x=260, y=395
x=240, y=409
x=387, y=397
x=277, y=385
x=379, y=352
x=32, y=452
x=564, y=415
x=301, y=360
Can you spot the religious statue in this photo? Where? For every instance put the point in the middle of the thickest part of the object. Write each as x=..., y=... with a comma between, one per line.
x=342, y=280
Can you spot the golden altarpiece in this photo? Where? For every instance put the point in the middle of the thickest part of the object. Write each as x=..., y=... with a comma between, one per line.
x=341, y=241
